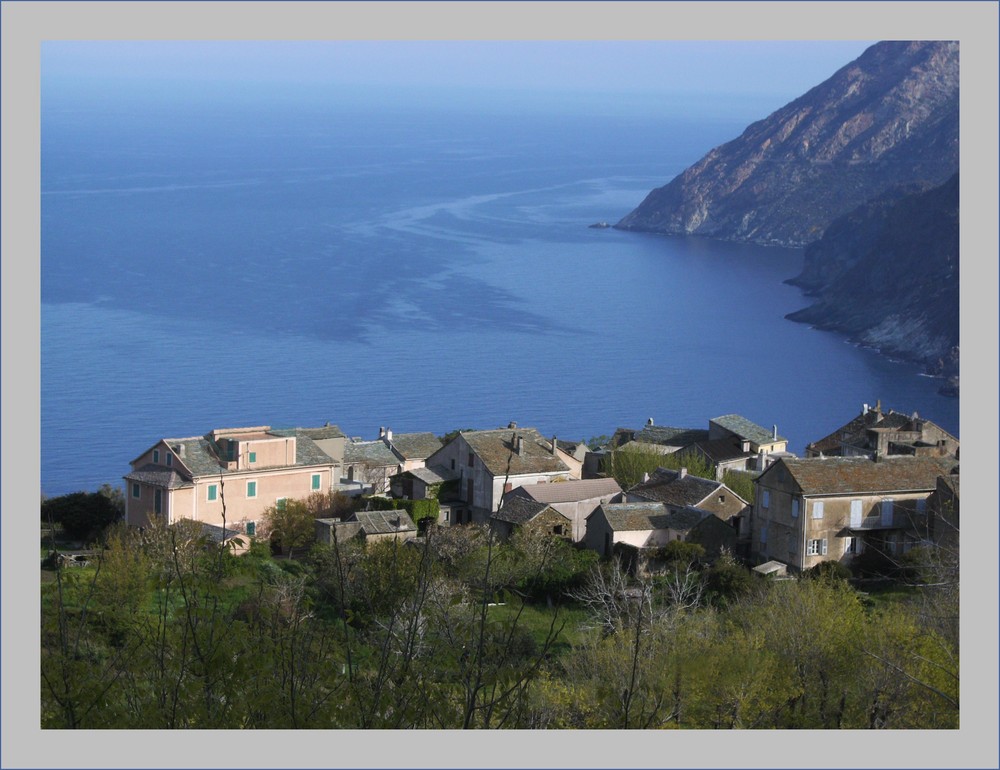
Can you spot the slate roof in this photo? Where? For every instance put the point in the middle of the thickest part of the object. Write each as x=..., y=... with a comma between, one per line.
x=374, y=453
x=668, y=487
x=720, y=450
x=316, y=434
x=744, y=428
x=875, y=419
x=416, y=446
x=497, y=448
x=568, y=491
x=200, y=455
x=635, y=516
x=435, y=474
x=851, y=475
x=667, y=436
x=384, y=522
x=158, y=476
x=518, y=510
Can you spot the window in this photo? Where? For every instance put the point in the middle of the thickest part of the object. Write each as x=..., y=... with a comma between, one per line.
x=252, y=457
x=135, y=489
x=921, y=505
x=887, y=512
x=156, y=456
x=816, y=548
x=472, y=459
x=557, y=529
x=763, y=534
x=793, y=545
x=230, y=450
x=765, y=498
x=279, y=504
x=447, y=516
x=251, y=528
x=315, y=481
x=851, y=546
x=170, y=460
x=157, y=501
x=722, y=498
x=453, y=464
x=251, y=489
x=856, y=516
x=818, y=509
x=795, y=507
x=213, y=492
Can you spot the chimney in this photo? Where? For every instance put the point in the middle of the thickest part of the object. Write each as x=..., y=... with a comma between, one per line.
x=520, y=445
x=512, y=425
x=745, y=446
x=864, y=409
x=553, y=443
x=180, y=450
x=388, y=435
x=649, y=423
x=774, y=433
x=682, y=473
x=381, y=432
x=645, y=477
x=878, y=406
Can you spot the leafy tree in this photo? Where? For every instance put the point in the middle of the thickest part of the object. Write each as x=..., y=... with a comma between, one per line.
x=628, y=464
x=83, y=515
x=291, y=524
x=741, y=482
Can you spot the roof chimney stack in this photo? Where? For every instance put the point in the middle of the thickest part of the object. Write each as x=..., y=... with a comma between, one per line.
x=553, y=443
x=864, y=409
x=512, y=425
x=388, y=435
x=381, y=432
x=682, y=473
x=649, y=423
x=774, y=433
x=520, y=445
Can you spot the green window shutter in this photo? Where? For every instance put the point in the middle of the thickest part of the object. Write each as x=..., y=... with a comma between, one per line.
x=251, y=489
x=315, y=481
x=279, y=504
x=253, y=457
x=213, y=492
x=251, y=528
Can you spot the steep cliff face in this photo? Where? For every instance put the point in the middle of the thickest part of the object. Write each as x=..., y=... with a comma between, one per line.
x=887, y=274
x=888, y=118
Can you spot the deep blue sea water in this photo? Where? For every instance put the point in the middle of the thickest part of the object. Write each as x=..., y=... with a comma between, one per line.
x=284, y=260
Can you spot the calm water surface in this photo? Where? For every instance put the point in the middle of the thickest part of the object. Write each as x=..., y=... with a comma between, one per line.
x=212, y=264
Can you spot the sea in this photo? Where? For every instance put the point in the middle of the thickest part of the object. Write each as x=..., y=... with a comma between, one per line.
x=227, y=257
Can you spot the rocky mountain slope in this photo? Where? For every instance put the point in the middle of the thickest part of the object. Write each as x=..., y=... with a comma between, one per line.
x=887, y=275
x=888, y=118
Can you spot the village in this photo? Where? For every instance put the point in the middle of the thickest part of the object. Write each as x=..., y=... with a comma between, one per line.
x=881, y=484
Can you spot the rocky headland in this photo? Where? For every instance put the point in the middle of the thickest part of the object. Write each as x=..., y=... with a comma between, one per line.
x=862, y=170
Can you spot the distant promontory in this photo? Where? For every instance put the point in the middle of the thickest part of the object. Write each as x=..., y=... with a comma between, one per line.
x=863, y=167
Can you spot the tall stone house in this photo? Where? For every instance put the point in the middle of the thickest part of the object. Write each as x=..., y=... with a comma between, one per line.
x=489, y=463
x=811, y=510
x=875, y=433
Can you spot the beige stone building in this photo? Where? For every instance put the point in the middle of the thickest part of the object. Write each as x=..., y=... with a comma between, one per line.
x=575, y=499
x=812, y=510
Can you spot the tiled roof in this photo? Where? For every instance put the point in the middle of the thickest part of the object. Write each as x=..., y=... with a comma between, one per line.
x=158, y=476
x=569, y=491
x=668, y=487
x=384, y=522
x=201, y=456
x=720, y=450
x=518, y=510
x=436, y=474
x=316, y=434
x=497, y=449
x=416, y=446
x=667, y=436
x=848, y=475
x=635, y=516
x=372, y=452
x=874, y=419
x=744, y=428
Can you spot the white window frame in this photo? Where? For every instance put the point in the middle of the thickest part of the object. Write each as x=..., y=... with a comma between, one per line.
x=857, y=514
x=316, y=482
x=817, y=509
x=852, y=545
x=251, y=483
x=816, y=547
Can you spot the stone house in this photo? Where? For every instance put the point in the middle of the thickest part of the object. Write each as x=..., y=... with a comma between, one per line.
x=764, y=446
x=245, y=470
x=520, y=512
x=491, y=462
x=370, y=526
x=874, y=433
x=649, y=525
x=679, y=490
x=816, y=509
x=574, y=499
